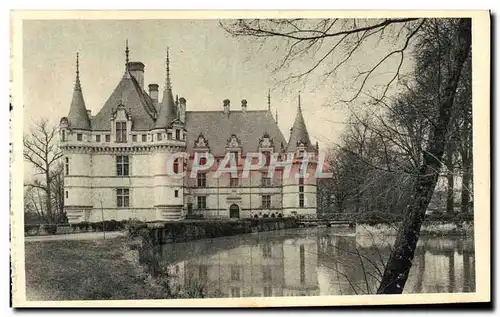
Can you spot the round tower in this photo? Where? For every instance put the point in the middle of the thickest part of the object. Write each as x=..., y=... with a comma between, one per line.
x=75, y=137
x=168, y=137
x=299, y=189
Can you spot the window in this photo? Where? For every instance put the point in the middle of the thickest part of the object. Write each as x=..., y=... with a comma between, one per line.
x=158, y=136
x=63, y=136
x=301, y=200
x=66, y=166
x=169, y=136
x=98, y=138
x=177, y=134
x=176, y=166
x=267, y=156
x=268, y=291
x=235, y=292
x=122, y=165
x=79, y=136
x=301, y=189
x=66, y=194
x=122, y=197
x=202, y=202
x=203, y=160
x=144, y=137
x=201, y=180
x=134, y=137
x=301, y=181
x=233, y=182
x=176, y=193
x=266, y=201
x=267, y=274
x=235, y=273
x=234, y=154
x=121, y=132
x=108, y=138
x=265, y=180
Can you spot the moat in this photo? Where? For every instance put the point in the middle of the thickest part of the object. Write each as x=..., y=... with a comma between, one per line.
x=314, y=261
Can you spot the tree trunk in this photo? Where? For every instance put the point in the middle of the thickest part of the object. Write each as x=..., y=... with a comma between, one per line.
x=400, y=261
x=465, y=192
x=49, y=196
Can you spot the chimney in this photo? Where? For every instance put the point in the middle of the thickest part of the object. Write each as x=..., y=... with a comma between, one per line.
x=226, y=106
x=244, y=105
x=182, y=109
x=153, y=93
x=136, y=69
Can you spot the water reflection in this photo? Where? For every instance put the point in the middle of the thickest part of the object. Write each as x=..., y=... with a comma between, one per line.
x=317, y=261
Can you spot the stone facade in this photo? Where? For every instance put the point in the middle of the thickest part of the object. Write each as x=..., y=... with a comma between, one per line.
x=116, y=161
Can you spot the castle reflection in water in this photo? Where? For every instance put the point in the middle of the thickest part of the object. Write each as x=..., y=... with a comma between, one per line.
x=318, y=261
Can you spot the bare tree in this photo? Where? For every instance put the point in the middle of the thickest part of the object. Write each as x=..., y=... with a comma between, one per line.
x=42, y=152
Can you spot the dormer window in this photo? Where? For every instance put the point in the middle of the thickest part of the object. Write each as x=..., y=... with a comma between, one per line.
x=158, y=137
x=177, y=134
x=121, y=132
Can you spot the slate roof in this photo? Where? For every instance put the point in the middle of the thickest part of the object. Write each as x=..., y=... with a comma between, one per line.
x=136, y=101
x=217, y=127
x=78, y=117
x=299, y=133
x=167, y=110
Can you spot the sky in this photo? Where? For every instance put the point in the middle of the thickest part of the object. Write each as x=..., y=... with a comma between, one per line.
x=207, y=66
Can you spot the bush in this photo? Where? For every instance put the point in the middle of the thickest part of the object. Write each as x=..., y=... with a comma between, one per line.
x=31, y=229
x=50, y=228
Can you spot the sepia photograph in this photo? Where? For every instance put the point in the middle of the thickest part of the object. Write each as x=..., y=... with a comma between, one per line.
x=249, y=158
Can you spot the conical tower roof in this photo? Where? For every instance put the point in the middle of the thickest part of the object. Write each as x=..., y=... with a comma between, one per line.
x=77, y=117
x=299, y=132
x=167, y=109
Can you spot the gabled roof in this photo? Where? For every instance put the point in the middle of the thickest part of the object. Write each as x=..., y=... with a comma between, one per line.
x=299, y=133
x=217, y=128
x=136, y=101
x=78, y=117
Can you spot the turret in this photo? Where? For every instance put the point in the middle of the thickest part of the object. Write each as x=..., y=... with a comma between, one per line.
x=299, y=190
x=78, y=117
x=299, y=137
x=76, y=129
x=168, y=189
x=167, y=109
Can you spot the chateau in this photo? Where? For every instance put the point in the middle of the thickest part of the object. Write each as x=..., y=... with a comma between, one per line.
x=115, y=161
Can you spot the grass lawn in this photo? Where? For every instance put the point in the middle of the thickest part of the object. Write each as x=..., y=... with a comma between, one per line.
x=82, y=270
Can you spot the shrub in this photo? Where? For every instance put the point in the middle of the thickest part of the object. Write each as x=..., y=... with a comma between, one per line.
x=50, y=228
x=31, y=229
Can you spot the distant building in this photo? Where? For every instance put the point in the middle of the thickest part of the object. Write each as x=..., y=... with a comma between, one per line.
x=115, y=161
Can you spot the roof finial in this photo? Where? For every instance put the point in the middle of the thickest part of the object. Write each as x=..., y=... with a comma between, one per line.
x=299, y=101
x=269, y=100
x=126, y=54
x=168, y=84
x=77, y=82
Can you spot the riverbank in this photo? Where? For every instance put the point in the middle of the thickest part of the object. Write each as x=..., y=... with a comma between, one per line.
x=158, y=233
x=83, y=270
